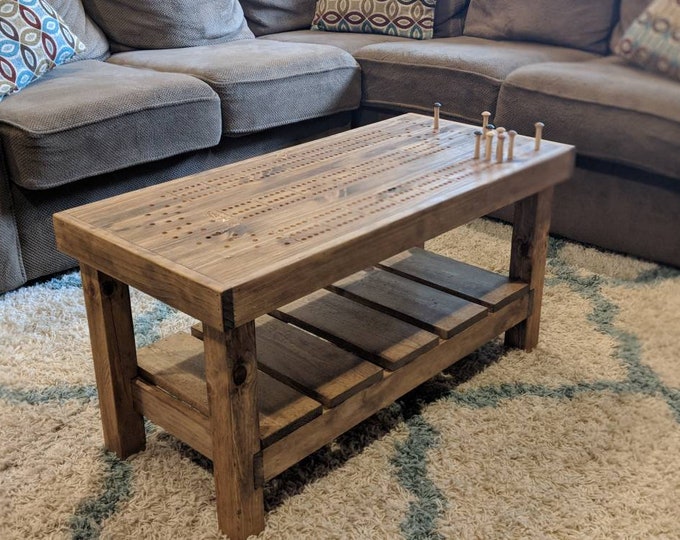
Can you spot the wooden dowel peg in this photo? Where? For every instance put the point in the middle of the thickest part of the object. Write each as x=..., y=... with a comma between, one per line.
x=499, y=145
x=437, y=106
x=485, y=121
x=511, y=144
x=489, y=143
x=478, y=143
x=539, y=134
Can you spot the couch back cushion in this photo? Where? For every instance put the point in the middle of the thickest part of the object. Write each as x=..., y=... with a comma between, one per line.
x=448, y=18
x=628, y=12
x=168, y=24
x=274, y=16
x=579, y=24
x=97, y=47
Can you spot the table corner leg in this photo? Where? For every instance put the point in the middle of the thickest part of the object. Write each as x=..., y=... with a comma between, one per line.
x=529, y=249
x=109, y=317
x=231, y=376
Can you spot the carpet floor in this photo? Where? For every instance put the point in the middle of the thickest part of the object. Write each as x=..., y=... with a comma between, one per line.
x=578, y=439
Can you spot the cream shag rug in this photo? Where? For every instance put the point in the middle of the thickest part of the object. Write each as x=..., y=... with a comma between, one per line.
x=578, y=439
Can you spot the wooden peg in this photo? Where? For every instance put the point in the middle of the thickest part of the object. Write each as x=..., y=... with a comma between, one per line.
x=499, y=145
x=437, y=106
x=539, y=134
x=478, y=143
x=511, y=144
x=485, y=121
x=489, y=143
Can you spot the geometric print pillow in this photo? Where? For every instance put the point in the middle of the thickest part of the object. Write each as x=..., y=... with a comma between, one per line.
x=653, y=40
x=33, y=40
x=404, y=18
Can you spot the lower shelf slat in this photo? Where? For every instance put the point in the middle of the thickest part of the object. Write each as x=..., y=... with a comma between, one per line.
x=176, y=364
x=464, y=280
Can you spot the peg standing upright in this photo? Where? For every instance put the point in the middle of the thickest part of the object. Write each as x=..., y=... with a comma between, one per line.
x=511, y=144
x=539, y=135
x=437, y=106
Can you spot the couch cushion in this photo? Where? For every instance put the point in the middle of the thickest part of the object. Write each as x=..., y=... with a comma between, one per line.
x=406, y=18
x=448, y=18
x=273, y=16
x=263, y=83
x=82, y=26
x=347, y=41
x=91, y=117
x=581, y=24
x=35, y=39
x=163, y=24
x=463, y=73
x=606, y=108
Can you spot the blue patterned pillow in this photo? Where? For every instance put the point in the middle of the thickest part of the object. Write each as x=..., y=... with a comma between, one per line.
x=404, y=18
x=653, y=40
x=33, y=40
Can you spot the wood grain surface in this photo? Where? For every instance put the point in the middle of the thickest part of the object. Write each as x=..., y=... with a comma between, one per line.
x=230, y=244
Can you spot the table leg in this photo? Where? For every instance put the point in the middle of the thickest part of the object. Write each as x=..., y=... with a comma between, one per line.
x=231, y=376
x=109, y=318
x=527, y=262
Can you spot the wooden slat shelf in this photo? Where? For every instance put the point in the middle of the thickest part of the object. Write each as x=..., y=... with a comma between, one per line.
x=176, y=365
x=374, y=314
x=464, y=280
x=418, y=304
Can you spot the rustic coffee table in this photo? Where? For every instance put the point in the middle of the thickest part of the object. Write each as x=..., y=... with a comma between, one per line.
x=316, y=309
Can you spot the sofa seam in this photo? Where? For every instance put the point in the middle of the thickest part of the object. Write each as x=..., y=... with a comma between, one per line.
x=433, y=66
x=302, y=119
x=216, y=84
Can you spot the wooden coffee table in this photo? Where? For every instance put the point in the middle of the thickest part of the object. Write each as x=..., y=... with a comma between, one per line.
x=316, y=309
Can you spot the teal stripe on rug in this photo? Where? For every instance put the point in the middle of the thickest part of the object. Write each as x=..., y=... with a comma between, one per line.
x=641, y=379
x=116, y=488
x=410, y=461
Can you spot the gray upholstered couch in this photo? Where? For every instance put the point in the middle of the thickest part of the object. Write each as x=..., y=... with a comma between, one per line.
x=108, y=123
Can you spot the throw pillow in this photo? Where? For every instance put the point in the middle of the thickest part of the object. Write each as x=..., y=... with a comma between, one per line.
x=168, y=24
x=33, y=40
x=653, y=40
x=579, y=24
x=404, y=18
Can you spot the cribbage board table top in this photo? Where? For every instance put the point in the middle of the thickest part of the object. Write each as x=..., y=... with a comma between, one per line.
x=309, y=237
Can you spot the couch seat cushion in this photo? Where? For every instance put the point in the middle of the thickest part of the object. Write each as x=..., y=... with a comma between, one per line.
x=350, y=42
x=263, y=84
x=90, y=117
x=605, y=107
x=463, y=73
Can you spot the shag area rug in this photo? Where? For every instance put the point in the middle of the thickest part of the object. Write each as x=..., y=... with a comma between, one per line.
x=578, y=439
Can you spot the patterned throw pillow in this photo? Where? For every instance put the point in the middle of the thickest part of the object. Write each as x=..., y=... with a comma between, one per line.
x=405, y=18
x=33, y=40
x=653, y=40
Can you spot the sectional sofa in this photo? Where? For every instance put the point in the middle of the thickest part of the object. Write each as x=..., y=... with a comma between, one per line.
x=159, y=93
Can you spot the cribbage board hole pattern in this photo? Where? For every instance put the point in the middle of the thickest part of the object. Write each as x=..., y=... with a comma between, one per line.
x=341, y=194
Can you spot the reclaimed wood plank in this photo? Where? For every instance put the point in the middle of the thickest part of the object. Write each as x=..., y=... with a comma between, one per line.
x=177, y=365
x=373, y=335
x=418, y=304
x=308, y=363
x=454, y=277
